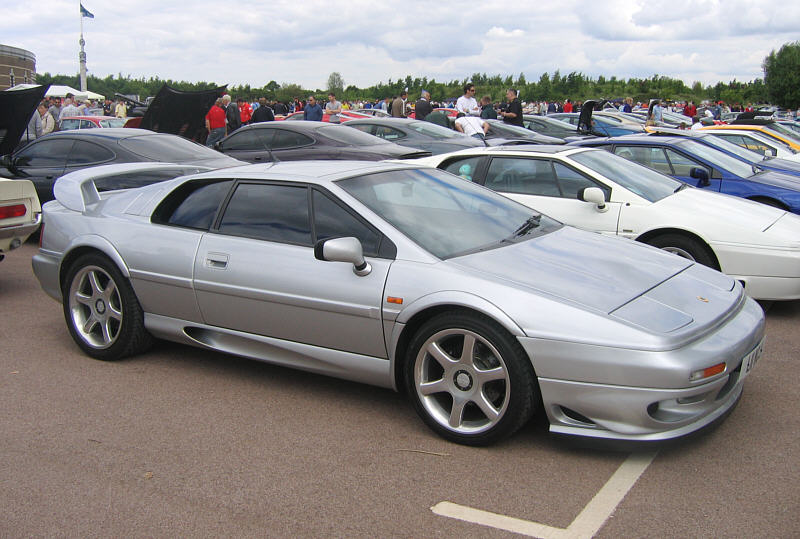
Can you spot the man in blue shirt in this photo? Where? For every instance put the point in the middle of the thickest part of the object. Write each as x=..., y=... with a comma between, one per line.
x=313, y=110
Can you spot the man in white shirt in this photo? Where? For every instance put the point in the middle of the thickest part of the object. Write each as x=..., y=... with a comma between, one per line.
x=472, y=126
x=467, y=103
x=68, y=110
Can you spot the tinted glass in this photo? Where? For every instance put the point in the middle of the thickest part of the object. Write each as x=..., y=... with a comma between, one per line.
x=717, y=158
x=342, y=133
x=464, y=167
x=69, y=123
x=283, y=139
x=333, y=221
x=87, y=124
x=87, y=152
x=433, y=130
x=113, y=122
x=364, y=128
x=730, y=147
x=138, y=179
x=45, y=153
x=522, y=175
x=570, y=181
x=681, y=165
x=648, y=156
x=442, y=213
x=197, y=210
x=388, y=133
x=646, y=183
x=268, y=212
x=247, y=139
x=167, y=148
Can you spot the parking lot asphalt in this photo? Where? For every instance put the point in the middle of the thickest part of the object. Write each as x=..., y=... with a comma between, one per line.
x=182, y=442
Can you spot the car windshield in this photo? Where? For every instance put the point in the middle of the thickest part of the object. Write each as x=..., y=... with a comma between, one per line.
x=784, y=131
x=444, y=214
x=728, y=146
x=717, y=158
x=341, y=133
x=433, y=130
x=113, y=122
x=645, y=182
x=167, y=148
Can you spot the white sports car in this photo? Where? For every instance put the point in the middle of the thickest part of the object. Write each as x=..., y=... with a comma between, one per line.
x=20, y=213
x=756, y=244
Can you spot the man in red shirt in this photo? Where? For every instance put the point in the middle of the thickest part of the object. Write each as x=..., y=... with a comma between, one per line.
x=568, y=106
x=215, y=123
x=245, y=111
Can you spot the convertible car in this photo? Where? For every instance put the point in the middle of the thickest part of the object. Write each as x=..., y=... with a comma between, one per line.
x=599, y=191
x=404, y=276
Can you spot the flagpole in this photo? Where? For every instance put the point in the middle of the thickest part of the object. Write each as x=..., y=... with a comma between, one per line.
x=82, y=54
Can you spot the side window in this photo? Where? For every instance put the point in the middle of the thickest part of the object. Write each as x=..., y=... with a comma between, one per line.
x=521, y=175
x=248, y=139
x=754, y=144
x=682, y=164
x=571, y=181
x=388, y=133
x=268, y=212
x=464, y=167
x=333, y=221
x=284, y=139
x=192, y=205
x=69, y=123
x=86, y=152
x=86, y=124
x=645, y=155
x=366, y=128
x=45, y=153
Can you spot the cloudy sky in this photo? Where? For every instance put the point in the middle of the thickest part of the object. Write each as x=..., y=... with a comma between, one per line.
x=253, y=42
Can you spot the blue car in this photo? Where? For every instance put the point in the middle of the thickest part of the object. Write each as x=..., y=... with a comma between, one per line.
x=703, y=165
x=600, y=126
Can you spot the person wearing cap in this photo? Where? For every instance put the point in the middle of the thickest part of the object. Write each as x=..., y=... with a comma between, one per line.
x=423, y=105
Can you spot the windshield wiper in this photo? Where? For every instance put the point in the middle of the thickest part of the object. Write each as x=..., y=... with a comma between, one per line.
x=681, y=187
x=529, y=224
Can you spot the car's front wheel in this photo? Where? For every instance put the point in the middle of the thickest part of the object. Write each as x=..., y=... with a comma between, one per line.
x=469, y=379
x=684, y=247
x=101, y=310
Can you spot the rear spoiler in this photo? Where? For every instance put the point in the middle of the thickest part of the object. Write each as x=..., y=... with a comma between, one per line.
x=77, y=190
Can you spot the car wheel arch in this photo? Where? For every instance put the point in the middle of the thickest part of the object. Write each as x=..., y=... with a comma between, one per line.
x=91, y=244
x=408, y=327
x=650, y=235
x=770, y=201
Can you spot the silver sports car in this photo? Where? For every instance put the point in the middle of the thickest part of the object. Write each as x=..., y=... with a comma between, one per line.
x=404, y=277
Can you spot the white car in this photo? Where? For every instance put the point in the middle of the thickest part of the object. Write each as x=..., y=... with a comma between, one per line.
x=596, y=190
x=757, y=142
x=20, y=213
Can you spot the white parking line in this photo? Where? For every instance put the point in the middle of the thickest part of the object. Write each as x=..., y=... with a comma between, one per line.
x=585, y=525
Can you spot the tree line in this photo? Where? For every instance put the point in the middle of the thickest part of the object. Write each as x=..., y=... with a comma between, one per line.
x=780, y=86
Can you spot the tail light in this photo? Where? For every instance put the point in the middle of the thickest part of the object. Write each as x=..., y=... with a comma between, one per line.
x=14, y=210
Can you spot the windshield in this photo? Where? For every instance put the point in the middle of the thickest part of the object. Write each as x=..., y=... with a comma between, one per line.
x=717, y=158
x=433, y=130
x=341, y=133
x=113, y=122
x=167, y=148
x=444, y=214
x=784, y=131
x=645, y=182
x=728, y=146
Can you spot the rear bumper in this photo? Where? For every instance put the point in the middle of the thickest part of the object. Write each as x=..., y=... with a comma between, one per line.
x=18, y=232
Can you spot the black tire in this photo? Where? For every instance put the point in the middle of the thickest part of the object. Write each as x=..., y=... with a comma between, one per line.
x=497, y=374
x=685, y=247
x=101, y=310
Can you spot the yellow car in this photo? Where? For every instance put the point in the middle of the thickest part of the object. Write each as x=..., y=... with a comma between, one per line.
x=20, y=213
x=772, y=129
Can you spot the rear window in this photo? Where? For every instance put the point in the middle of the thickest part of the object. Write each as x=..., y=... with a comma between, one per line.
x=167, y=148
x=341, y=133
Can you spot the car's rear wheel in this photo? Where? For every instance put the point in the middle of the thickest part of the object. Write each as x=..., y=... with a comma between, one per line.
x=469, y=379
x=101, y=310
x=685, y=247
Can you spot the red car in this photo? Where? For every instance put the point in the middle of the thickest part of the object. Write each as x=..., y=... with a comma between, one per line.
x=90, y=122
x=452, y=113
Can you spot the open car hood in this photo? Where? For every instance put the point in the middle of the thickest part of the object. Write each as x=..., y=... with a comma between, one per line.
x=16, y=109
x=180, y=113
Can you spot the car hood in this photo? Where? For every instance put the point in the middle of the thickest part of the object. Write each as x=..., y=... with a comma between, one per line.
x=180, y=113
x=16, y=109
x=580, y=267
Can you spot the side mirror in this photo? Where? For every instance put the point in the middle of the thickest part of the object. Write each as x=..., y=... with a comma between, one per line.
x=594, y=195
x=701, y=175
x=218, y=145
x=343, y=250
x=6, y=161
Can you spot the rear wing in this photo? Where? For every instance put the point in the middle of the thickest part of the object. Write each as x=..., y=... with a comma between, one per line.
x=77, y=190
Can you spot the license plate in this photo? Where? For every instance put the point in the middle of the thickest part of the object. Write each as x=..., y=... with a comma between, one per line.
x=749, y=361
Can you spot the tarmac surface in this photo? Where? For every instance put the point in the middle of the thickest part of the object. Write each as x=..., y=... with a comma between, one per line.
x=182, y=442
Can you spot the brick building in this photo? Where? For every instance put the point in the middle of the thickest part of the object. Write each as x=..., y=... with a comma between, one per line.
x=17, y=66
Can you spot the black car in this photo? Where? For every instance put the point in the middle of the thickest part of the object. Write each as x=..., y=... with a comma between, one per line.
x=293, y=141
x=47, y=158
x=549, y=126
x=500, y=129
x=416, y=134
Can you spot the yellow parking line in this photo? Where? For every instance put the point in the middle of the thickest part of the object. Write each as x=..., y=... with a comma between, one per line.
x=586, y=524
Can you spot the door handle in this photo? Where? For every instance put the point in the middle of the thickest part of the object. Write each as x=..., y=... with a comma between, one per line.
x=257, y=158
x=217, y=260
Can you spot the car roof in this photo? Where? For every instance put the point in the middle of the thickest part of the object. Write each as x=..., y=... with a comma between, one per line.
x=302, y=125
x=91, y=118
x=114, y=133
x=636, y=138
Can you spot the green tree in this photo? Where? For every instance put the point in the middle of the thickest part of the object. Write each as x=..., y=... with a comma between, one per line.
x=782, y=75
x=335, y=82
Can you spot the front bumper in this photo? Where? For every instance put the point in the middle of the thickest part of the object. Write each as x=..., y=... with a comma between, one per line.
x=635, y=408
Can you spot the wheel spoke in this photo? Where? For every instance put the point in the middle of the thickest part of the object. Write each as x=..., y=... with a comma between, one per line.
x=487, y=407
x=437, y=386
x=441, y=357
x=110, y=291
x=468, y=351
x=457, y=412
x=83, y=299
x=88, y=326
x=97, y=290
x=106, y=332
x=498, y=373
x=114, y=313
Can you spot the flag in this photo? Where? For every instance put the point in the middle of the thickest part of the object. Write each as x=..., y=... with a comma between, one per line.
x=85, y=13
